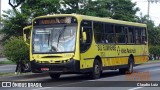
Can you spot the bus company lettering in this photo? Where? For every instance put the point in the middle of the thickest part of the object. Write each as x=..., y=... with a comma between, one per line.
x=106, y=47
x=127, y=50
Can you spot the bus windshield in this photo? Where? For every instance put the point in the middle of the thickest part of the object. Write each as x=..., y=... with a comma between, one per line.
x=54, y=39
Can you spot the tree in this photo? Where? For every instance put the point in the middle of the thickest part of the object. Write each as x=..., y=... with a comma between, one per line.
x=117, y=9
x=123, y=10
x=153, y=32
x=14, y=22
x=155, y=51
x=34, y=8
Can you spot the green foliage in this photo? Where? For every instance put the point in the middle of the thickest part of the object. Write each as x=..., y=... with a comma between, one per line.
x=123, y=10
x=6, y=62
x=14, y=22
x=154, y=36
x=15, y=49
x=153, y=32
x=34, y=8
x=116, y=9
x=155, y=50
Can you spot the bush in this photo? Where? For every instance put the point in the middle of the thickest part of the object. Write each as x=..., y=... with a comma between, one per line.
x=15, y=50
x=155, y=50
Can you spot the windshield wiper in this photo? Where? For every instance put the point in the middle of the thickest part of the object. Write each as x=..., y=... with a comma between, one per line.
x=61, y=32
x=49, y=39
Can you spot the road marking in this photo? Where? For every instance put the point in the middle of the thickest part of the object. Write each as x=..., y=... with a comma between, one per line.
x=135, y=88
x=42, y=88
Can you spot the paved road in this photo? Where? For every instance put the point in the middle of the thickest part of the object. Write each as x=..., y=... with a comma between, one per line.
x=149, y=72
x=7, y=68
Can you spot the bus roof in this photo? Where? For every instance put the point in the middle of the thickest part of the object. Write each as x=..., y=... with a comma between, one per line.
x=93, y=18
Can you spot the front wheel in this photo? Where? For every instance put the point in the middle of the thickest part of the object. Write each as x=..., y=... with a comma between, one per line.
x=54, y=75
x=96, y=72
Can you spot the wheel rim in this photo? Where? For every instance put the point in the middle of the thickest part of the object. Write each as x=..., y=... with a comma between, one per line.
x=130, y=67
x=97, y=69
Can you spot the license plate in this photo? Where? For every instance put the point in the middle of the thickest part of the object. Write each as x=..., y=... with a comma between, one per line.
x=44, y=69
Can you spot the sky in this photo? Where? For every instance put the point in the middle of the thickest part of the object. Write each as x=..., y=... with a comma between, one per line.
x=142, y=4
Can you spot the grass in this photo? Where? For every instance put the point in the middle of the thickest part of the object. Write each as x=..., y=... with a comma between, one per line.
x=5, y=74
x=6, y=62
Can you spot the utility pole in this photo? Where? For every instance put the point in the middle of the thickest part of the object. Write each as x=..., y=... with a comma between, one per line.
x=149, y=1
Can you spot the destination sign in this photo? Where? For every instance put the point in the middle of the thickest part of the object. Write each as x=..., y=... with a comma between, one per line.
x=56, y=20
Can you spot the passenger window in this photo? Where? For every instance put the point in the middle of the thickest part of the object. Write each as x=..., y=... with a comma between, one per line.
x=121, y=32
x=98, y=32
x=144, y=37
x=130, y=35
x=109, y=33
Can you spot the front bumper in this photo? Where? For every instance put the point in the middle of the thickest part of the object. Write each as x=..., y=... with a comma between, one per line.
x=73, y=66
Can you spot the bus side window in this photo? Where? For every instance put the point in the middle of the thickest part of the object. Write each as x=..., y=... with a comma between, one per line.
x=130, y=35
x=144, y=37
x=120, y=34
x=138, y=35
x=109, y=33
x=99, y=35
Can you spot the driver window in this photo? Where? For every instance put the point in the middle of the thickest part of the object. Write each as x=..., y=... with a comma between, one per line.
x=86, y=26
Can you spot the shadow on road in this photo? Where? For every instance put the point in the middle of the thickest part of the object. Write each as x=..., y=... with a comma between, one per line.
x=82, y=77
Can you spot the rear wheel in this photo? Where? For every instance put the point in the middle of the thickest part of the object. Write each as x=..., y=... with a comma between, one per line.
x=96, y=72
x=54, y=75
x=129, y=69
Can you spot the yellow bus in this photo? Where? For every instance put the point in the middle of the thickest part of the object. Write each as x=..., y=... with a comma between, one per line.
x=72, y=43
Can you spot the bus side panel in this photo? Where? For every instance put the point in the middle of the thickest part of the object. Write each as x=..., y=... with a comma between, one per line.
x=118, y=56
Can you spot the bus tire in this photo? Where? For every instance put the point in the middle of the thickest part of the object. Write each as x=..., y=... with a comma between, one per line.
x=129, y=68
x=96, y=72
x=54, y=75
